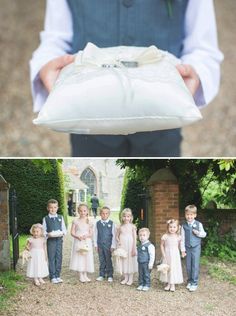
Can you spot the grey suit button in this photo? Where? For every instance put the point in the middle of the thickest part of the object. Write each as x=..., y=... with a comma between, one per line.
x=128, y=3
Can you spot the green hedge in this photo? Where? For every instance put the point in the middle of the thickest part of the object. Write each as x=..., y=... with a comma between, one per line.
x=131, y=193
x=34, y=188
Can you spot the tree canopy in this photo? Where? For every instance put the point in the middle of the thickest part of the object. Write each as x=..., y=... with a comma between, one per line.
x=195, y=177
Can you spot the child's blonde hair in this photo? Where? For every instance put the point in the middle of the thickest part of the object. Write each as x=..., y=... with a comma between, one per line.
x=191, y=209
x=85, y=205
x=52, y=201
x=40, y=226
x=144, y=229
x=104, y=208
x=126, y=211
x=173, y=221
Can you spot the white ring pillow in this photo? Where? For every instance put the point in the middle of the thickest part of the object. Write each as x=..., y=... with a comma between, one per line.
x=119, y=90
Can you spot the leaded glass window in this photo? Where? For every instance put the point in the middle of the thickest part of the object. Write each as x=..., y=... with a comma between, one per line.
x=89, y=178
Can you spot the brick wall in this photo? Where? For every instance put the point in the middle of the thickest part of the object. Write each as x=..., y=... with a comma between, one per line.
x=225, y=217
x=164, y=202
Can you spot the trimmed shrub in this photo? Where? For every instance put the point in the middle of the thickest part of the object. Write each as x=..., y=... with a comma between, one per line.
x=132, y=193
x=34, y=188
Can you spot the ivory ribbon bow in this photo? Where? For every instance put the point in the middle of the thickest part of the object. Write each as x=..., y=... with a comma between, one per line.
x=95, y=56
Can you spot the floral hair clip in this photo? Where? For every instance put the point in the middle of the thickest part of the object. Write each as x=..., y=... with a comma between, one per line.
x=169, y=221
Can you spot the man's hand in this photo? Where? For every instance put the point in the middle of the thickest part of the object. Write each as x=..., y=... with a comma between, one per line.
x=190, y=77
x=183, y=254
x=49, y=72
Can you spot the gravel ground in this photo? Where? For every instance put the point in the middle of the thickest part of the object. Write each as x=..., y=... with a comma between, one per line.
x=102, y=298
x=20, y=23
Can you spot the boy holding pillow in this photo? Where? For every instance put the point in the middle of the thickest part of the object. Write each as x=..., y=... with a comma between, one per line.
x=181, y=31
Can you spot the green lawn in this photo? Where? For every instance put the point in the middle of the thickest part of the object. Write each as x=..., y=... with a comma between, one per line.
x=22, y=243
x=221, y=270
x=115, y=217
x=10, y=284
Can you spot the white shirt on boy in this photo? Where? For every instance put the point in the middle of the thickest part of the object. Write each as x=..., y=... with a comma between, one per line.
x=201, y=234
x=63, y=226
x=151, y=252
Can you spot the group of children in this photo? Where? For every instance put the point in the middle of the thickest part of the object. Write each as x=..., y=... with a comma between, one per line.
x=107, y=239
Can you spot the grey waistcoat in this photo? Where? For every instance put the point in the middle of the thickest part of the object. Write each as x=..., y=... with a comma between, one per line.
x=143, y=255
x=128, y=22
x=104, y=237
x=53, y=223
x=191, y=240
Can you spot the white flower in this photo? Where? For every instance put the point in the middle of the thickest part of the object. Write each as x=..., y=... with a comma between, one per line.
x=109, y=225
x=143, y=248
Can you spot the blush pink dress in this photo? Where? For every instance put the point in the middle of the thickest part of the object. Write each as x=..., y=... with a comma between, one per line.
x=37, y=266
x=82, y=262
x=171, y=245
x=128, y=265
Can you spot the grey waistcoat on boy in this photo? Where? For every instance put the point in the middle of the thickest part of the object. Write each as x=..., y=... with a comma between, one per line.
x=53, y=223
x=104, y=237
x=191, y=240
x=143, y=254
x=128, y=22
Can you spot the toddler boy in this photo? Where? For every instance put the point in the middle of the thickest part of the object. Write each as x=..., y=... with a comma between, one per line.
x=146, y=257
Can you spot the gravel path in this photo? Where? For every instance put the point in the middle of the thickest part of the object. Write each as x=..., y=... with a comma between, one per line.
x=20, y=23
x=102, y=298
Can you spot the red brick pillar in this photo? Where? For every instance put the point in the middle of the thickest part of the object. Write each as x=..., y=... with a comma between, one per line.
x=5, y=260
x=164, y=202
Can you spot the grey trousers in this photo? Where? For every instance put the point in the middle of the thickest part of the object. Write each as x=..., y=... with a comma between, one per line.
x=54, y=249
x=148, y=144
x=94, y=209
x=105, y=262
x=144, y=278
x=193, y=263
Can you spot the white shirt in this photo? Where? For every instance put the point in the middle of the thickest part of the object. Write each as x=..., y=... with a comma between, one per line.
x=95, y=237
x=151, y=251
x=63, y=226
x=200, y=47
x=201, y=234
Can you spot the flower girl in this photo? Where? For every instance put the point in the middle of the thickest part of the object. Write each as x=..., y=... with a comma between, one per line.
x=170, y=249
x=82, y=251
x=126, y=239
x=37, y=266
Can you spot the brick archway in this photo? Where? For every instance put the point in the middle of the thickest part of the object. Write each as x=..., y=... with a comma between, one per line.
x=164, y=202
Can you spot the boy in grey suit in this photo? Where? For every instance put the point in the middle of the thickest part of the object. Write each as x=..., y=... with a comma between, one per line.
x=104, y=243
x=55, y=229
x=192, y=232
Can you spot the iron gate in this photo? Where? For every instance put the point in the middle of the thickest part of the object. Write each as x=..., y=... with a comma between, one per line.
x=14, y=226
